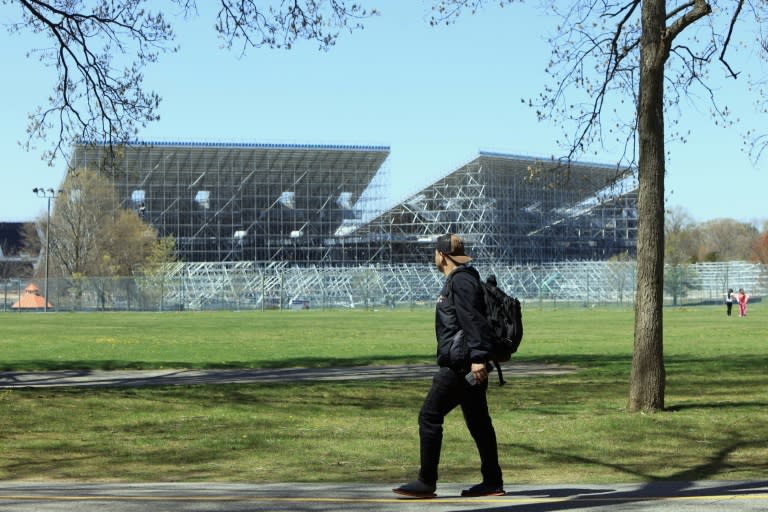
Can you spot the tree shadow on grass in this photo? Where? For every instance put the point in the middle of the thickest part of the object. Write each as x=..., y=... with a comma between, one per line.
x=718, y=405
x=296, y=362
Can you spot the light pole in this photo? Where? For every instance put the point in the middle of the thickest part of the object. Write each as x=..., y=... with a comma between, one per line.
x=47, y=194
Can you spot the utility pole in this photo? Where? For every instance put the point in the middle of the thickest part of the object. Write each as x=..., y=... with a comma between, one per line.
x=48, y=194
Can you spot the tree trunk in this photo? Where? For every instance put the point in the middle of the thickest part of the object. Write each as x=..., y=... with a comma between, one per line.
x=647, y=379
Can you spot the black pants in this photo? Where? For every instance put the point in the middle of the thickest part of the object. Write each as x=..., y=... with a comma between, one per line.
x=450, y=389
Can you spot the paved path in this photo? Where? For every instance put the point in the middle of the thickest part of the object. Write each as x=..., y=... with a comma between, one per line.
x=187, y=377
x=651, y=497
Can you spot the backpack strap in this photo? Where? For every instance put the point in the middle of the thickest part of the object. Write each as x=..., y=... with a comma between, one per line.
x=498, y=371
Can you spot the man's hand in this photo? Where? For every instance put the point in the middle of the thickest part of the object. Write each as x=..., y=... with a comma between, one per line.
x=480, y=372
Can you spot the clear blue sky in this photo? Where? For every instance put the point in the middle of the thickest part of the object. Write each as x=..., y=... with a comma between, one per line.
x=435, y=95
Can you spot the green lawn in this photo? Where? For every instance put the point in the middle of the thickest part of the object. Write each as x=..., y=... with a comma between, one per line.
x=571, y=428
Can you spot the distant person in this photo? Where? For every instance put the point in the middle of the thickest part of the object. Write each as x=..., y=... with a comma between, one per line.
x=742, y=298
x=463, y=348
x=491, y=279
x=729, y=301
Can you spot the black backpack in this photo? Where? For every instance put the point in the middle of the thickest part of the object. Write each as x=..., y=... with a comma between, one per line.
x=506, y=318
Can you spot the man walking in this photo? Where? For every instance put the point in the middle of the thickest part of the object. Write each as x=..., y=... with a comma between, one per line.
x=463, y=348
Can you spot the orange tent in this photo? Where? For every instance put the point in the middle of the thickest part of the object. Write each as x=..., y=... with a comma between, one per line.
x=31, y=299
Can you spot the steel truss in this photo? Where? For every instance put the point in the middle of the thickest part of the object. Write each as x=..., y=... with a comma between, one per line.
x=246, y=202
x=516, y=209
x=278, y=285
x=248, y=285
x=313, y=205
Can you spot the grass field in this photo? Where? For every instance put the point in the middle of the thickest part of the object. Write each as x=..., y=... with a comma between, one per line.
x=571, y=428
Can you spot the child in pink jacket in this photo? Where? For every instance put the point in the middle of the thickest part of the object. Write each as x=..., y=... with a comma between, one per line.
x=742, y=298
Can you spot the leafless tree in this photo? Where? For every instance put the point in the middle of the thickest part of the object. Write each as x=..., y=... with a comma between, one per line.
x=620, y=70
x=681, y=237
x=619, y=67
x=80, y=222
x=726, y=240
x=715, y=240
x=760, y=248
x=101, y=49
x=92, y=236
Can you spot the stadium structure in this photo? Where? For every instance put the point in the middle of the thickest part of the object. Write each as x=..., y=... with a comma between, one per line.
x=273, y=225
x=245, y=202
x=307, y=205
x=513, y=209
x=262, y=226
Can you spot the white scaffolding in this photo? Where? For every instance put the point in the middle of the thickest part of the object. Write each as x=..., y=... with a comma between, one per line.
x=320, y=205
x=252, y=286
x=246, y=201
x=516, y=209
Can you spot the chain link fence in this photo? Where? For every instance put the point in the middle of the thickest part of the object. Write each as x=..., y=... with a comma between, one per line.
x=251, y=286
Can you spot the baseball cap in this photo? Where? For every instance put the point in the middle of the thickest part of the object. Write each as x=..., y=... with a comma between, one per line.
x=452, y=246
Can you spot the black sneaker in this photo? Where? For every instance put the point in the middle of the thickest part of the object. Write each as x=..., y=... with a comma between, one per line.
x=484, y=490
x=416, y=489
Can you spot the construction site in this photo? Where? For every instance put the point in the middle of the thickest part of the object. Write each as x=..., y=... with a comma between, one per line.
x=297, y=226
x=319, y=205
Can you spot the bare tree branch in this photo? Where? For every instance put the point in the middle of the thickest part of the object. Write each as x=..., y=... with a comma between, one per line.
x=445, y=12
x=701, y=8
x=99, y=52
x=726, y=44
x=253, y=25
x=596, y=57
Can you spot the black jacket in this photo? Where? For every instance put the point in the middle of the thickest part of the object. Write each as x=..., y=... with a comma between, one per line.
x=463, y=333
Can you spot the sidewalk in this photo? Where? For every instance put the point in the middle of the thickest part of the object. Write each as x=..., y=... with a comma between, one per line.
x=177, y=497
x=231, y=376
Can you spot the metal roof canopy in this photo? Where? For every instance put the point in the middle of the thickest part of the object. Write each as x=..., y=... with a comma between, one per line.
x=573, y=174
x=263, y=157
x=588, y=177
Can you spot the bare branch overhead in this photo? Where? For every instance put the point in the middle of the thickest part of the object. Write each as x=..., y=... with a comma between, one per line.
x=100, y=51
